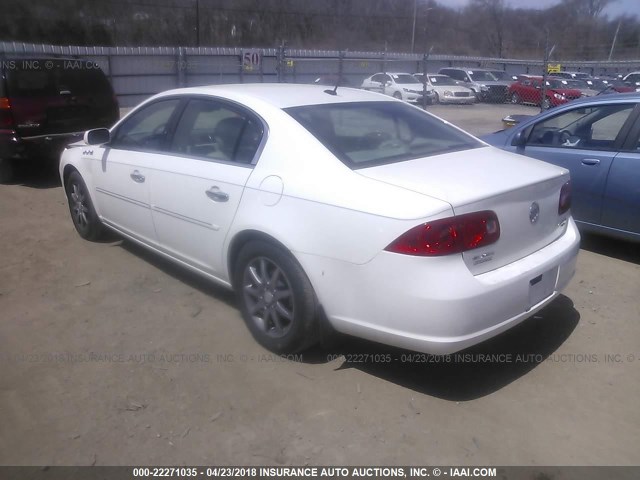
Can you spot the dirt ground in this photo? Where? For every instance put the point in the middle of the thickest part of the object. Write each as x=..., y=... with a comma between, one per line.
x=110, y=356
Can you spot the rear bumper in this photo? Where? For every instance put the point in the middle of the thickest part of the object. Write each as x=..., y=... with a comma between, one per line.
x=494, y=95
x=435, y=305
x=458, y=100
x=15, y=147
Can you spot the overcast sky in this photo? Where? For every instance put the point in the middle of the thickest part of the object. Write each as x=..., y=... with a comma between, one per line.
x=619, y=7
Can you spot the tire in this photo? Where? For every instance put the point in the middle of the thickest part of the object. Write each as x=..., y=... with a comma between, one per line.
x=6, y=170
x=397, y=95
x=83, y=215
x=515, y=98
x=276, y=299
x=436, y=98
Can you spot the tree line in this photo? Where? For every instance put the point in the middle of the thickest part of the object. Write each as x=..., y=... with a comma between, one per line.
x=578, y=28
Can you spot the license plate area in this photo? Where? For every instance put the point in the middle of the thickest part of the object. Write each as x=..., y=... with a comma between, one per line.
x=542, y=286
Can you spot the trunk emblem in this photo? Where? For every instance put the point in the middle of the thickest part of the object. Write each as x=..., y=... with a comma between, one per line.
x=534, y=212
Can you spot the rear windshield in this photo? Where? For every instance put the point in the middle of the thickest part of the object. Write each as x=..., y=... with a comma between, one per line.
x=481, y=76
x=442, y=80
x=404, y=78
x=365, y=134
x=50, y=77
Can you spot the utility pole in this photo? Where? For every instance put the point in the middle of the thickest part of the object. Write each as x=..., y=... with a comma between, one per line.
x=413, y=30
x=197, y=23
x=615, y=37
x=545, y=70
x=425, y=77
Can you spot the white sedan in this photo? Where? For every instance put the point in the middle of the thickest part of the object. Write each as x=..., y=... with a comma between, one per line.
x=402, y=86
x=346, y=207
x=446, y=89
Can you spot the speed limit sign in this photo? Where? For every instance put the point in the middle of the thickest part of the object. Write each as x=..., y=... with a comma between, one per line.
x=251, y=59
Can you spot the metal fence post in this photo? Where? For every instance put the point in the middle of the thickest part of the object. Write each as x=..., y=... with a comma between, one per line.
x=545, y=71
x=180, y=64
x=384, y=68
x=261, y=66
x=280, y=66
x=425, y=77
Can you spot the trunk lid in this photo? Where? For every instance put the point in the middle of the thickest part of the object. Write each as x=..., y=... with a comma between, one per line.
x=523, y=192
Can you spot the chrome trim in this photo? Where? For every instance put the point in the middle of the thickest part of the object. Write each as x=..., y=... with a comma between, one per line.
x=179, y=216
x=122, y=197
x=53, y=135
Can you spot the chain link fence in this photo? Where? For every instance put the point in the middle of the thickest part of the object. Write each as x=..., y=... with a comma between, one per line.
x=138, y=72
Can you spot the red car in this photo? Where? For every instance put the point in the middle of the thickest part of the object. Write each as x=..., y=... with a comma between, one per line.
x=528, y=89
x=609, y=85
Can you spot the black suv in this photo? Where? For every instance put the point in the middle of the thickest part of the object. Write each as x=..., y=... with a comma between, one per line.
x=45, y=103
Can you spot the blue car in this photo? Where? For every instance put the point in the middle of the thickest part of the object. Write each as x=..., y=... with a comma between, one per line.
x=598, y=141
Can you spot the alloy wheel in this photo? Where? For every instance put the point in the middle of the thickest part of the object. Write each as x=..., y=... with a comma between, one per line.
x=79, y=208
x=268, y=296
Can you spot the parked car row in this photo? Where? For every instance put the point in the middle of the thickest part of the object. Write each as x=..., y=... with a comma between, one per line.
x=453, y=85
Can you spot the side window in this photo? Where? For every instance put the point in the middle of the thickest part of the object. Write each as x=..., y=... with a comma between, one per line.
x=214, y=131
x=146, y=129
x=378, y=78
x=594, y=128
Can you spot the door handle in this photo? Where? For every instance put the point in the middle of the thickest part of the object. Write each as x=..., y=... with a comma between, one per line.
x=590, y=161
x=137, y=177
x=216, y=195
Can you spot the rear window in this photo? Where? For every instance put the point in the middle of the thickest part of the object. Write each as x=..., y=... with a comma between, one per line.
x=481, y=76
x=365, y=134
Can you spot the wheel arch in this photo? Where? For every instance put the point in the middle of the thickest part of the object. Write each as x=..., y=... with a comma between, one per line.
x=66, y=173
x=240, y=239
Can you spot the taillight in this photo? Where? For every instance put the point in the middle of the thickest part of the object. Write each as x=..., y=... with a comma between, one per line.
x=564, y=204
x=449, y=235
x=6, y=118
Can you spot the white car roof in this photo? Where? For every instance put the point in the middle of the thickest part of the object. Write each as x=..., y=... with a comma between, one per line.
x=280, y=95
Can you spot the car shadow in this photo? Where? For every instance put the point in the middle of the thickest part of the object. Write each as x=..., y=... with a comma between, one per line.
x=611, y=247
x=36, y=174
x=179, y=273
x=470, y=374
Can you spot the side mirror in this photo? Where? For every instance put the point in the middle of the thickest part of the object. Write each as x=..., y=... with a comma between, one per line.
x=97, y=136
x=519, y=139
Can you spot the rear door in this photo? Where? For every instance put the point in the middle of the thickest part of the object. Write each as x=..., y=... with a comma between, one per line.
x=379, y=83
x=621, y=203
x=527, y=91
x=584, y=141
x=197, y=189
x=122, y=170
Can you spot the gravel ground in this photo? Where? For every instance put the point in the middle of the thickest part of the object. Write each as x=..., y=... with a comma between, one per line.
x=111, y=356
